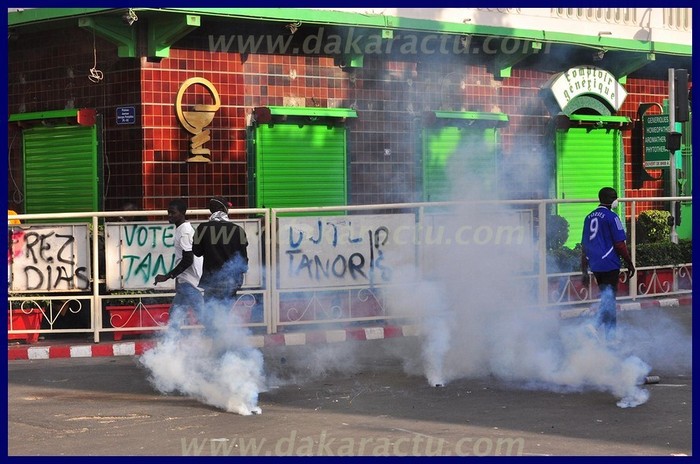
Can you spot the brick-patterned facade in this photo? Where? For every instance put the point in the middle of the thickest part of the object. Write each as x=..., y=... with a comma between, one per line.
x=146, y=162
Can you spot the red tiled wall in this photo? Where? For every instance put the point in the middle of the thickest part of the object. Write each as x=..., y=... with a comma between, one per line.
x=642, y=91
x=49, y=71
x=167, y=173
x=146, y=162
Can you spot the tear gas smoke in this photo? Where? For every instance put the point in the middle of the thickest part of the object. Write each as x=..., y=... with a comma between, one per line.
x=479, y=317
x=214, y=365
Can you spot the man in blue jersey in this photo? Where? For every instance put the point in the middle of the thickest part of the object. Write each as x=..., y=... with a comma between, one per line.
x=603, y=244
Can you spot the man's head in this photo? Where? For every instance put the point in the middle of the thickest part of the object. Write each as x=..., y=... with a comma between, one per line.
x=131, y=206
x=607, y=196
x=176, y=211
x=218, y=204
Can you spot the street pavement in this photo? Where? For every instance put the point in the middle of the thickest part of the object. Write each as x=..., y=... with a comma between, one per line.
x=366, y=403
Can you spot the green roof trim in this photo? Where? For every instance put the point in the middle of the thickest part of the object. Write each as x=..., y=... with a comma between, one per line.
x=32, y=15
x=44, y=115
x=598, y=117
x=378, y=21
x=384, y=22
x=471, y=115
x=312, y=111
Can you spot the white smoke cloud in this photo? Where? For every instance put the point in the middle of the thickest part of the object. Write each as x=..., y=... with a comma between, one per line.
x=478, y=317
x=215, y=365
x=301, y=364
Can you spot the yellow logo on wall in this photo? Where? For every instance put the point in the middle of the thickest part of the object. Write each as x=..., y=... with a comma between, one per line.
x=196, y=120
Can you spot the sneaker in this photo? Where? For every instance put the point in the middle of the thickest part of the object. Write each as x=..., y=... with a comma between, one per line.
x=592, y=332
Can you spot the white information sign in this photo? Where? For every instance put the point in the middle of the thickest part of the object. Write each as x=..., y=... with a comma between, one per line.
x=581, y=80
x=329, y=251
x=49, y=258
x=507, y=235
x=136, y=252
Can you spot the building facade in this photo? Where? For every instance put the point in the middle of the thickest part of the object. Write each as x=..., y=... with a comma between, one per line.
x=311, y=107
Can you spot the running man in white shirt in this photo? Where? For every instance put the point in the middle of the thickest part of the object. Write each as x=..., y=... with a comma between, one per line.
x=188, y=270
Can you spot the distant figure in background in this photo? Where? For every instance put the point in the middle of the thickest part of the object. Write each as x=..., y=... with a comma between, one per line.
x=15, y=220
x=131, y=206
x=603, y=244
x=224, y=247
x=15, y=243
x=188, y=270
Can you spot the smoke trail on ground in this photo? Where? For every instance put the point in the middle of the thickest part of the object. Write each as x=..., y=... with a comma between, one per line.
x=301, y=364
x=215, y=365
x=479, y=317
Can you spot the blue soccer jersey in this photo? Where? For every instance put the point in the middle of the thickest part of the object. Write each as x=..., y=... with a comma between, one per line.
x=602, y=228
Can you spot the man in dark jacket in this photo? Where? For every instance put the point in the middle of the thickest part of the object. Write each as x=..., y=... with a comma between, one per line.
x=224, y=246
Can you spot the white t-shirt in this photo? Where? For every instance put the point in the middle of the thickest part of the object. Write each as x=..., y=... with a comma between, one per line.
x=184, y=236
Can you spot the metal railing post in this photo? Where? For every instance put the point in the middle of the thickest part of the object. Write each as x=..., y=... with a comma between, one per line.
x=633, y=253
x=274, y=291
x=96, y=303
x=268, y=304
x=542, y=248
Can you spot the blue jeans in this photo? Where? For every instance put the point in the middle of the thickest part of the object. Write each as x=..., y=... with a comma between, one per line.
x=187, y=296
x=607, y=311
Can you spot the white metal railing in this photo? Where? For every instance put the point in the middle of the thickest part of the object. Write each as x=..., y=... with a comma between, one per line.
x=340, y=288
x=625, y=16
x=680, y=19
x=676, y=19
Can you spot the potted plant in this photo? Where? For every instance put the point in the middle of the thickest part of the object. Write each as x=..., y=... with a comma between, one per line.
x=25, y=315
x=656, y=251
x=136, y=310
x=562, y=259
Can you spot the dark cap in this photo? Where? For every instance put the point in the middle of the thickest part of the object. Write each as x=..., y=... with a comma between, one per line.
x=219, y=204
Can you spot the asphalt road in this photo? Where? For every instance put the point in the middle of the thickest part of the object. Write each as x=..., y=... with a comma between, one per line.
x=368, y=405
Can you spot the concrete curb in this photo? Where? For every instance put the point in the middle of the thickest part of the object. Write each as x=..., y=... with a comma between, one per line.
x=136, y=348
x=631, y=306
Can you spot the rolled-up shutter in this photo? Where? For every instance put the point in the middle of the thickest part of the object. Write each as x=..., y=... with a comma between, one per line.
x=588, y=159
x=300, y=165
x=60, y=169
x=457, y=161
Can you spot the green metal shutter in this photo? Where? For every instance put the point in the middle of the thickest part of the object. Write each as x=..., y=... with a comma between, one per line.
x=452, y=154
x=587, y=160
x=60, y=169
x=685, y=181
x=300, y=166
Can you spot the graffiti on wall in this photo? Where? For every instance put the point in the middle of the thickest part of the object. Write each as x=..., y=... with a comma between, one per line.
x=344, y=250
x=48, y=258
x=136, y=252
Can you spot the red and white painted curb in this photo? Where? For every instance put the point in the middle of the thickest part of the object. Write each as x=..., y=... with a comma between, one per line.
x=631, y=306
x=137, y=347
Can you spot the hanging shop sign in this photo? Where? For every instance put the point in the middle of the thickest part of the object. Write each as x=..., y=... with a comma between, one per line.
x=199, y=117
x=656, y=155
x=656, y=152
x=581, y=80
